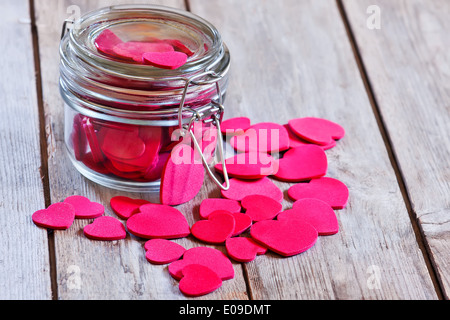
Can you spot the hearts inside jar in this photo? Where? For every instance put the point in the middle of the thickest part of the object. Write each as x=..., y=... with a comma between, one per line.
x=105, y=229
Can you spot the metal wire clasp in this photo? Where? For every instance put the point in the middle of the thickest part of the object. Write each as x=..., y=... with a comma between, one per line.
x=212, y=113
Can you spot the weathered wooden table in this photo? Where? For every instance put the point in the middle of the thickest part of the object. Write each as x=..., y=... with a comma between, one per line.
x=380, y=68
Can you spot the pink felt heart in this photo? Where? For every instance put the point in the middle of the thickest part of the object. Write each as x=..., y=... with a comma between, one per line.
x=259, y=207
x=199, y=280
x=58, y=216
x=208, y=206
x=179, y=46
x=85, y=208
x=165, y=60
x=105, y=229
x=262, y=137
x=296, y=141
x=134, y=50
x=208, y=257
x=249, y=166
x=244, y=249
x=235, y=126
x=125, y=207
x=155, y=172
x=239, y=189
x=157, y=221
x=182, y=177
x=316, y=130
x=329, y=190
x=161, y=251
x=218, y=228
x=302, y=163
x=317, y=213
x=122, y=145
x=106, y=41
x=287, y=238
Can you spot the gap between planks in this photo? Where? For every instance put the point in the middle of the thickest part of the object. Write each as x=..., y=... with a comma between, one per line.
x=43, y=146
x=390, y=150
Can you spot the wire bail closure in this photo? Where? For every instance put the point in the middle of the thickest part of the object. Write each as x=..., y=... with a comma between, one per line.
x=214, y=114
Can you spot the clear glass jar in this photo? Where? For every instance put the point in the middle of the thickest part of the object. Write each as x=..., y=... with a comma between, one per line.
x=120, y=115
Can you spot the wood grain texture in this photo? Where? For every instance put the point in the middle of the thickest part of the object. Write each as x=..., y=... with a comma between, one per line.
x=408, y=66
x=292, y=59
x=94, y=270
x=24, y=258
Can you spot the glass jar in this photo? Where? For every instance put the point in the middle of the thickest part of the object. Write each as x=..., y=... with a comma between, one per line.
x=122, y=116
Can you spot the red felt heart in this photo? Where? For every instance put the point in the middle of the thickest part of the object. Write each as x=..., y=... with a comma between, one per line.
x=302, y=163
x=122, y=145
x=235, y=126
x=182, y=176
x=259, y=207
x=316, y=130
x=242, y=223
x=161, y=251
x=199, y=280
x=329, y=190
x=208, y=257
x=106, y=41
x=244, y=249
x=287, y=238
x=157, y=221
x=296, y=141
x=134, y=50
x=165, y=60
x=208, y=206
x=105, y=229
x=58, y=216
x=262, y=137
x=249, y=166
x=151, y=136
x=317, y=213
x=85, y=208
x=218, y=228
x=125, y=207
x=239, y=189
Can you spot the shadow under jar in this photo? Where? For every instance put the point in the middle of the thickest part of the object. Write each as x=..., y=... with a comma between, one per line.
x=122, y=113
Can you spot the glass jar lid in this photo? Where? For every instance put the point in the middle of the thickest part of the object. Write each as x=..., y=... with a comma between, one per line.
x=149, y=23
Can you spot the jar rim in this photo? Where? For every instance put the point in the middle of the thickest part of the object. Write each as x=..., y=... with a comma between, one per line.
x=89, y=26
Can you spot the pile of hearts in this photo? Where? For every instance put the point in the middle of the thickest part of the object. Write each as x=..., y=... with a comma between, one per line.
x=159, y=53
x=247, y=221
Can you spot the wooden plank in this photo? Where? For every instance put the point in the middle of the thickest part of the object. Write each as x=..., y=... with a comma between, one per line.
x=293, y=59
x=24, y=258
x=87, y=269
x=408, y=66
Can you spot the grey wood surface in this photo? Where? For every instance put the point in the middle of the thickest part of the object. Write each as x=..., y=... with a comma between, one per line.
x=24, y=257
x=290, y=59
x=408, y=66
